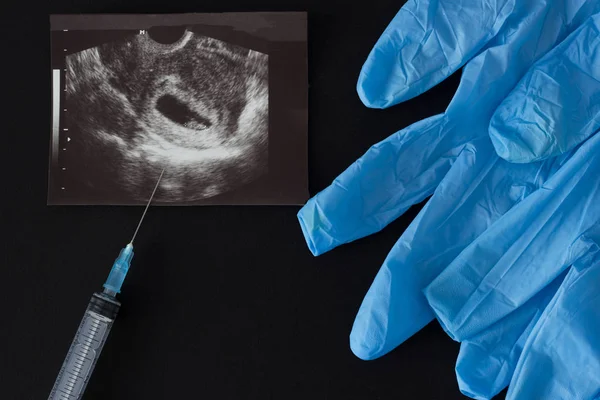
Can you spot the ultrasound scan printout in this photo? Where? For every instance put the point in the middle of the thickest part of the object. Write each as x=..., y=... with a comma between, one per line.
x=219, y=101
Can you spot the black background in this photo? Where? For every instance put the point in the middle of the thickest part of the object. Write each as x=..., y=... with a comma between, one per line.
x=221, y=302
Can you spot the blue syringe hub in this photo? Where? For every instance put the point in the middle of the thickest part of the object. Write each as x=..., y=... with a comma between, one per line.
x=119, y=270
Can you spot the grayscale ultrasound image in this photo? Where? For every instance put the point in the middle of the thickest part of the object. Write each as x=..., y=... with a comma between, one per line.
x=217, y=100
x=191, y=104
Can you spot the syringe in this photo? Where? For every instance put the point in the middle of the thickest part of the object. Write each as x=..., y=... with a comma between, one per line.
x=95, y=326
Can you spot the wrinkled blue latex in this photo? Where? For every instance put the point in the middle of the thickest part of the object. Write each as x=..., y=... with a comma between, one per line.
x=450, y=155
x=479, y=188
x=487, y=361
x=556, y=105
x=521, y=252
x=546, y=235
x=545, y=352
x=561, y=357
x=549, y=348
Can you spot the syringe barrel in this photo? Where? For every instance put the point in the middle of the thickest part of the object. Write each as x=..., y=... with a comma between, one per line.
x=86, y=348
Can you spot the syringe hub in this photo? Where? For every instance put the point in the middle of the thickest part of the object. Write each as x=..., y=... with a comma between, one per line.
x=119, y=270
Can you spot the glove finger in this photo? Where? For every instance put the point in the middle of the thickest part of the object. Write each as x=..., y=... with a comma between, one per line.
x=394, y=174
x=478, y=189
x=556, y=105
x=426, y=42
x=561, y=358
x=487, y=361
x=522, y=252
x=429, y=40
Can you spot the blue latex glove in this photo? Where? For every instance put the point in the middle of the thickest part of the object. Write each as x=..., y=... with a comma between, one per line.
x=504, y=267
x=451, y=152
x=488, y=359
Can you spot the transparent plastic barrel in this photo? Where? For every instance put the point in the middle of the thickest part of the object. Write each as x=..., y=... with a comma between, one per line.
x=86, y=348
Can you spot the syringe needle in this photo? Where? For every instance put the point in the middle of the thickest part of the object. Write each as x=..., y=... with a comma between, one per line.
x=146, y=209
x=120, y=267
